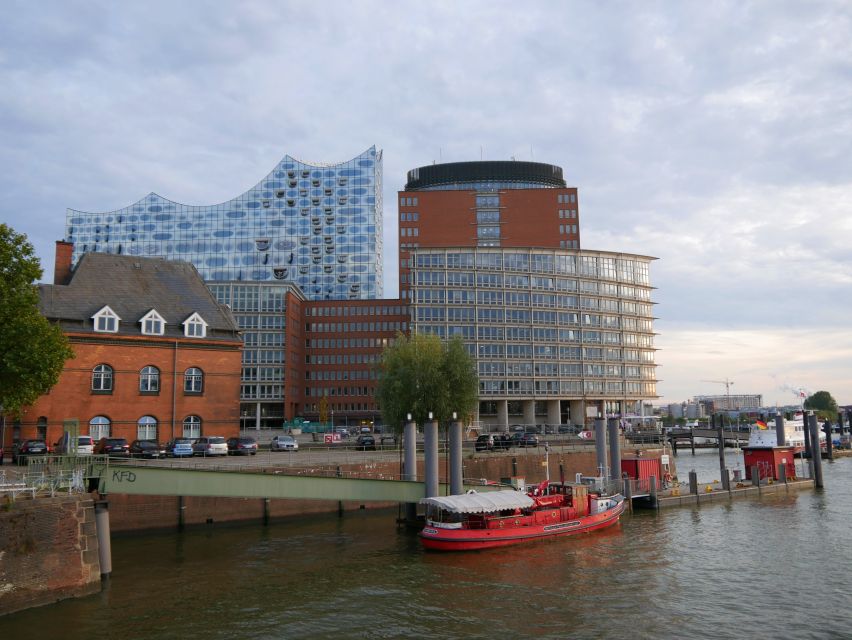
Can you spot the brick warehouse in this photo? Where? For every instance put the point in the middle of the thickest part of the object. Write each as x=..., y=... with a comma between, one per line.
x=156, y=356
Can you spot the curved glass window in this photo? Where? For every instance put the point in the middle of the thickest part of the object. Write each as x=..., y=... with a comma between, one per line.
x=102, y=378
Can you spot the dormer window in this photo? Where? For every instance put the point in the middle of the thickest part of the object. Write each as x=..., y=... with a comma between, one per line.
x=195, y=327
x=153, y=324
x=106, y=320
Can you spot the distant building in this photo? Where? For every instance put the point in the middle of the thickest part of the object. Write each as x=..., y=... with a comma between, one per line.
x=740, y=402
x=156, y=356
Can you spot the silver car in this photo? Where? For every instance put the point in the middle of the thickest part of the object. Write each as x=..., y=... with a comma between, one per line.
x=210, y=446
x=283, y=443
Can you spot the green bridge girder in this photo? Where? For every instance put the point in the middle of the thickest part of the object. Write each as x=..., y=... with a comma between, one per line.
x=161, y=481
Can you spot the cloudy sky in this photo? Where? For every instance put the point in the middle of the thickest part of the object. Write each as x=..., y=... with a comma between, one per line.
x=716, y=136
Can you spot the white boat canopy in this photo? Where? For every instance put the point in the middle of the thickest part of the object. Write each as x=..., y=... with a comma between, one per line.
x=481, y=502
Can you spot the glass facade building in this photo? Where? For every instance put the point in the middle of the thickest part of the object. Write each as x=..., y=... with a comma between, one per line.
x=317, y=226
x=556, y=333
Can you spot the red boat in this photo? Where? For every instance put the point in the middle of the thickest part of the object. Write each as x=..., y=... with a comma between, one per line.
x=499, y=518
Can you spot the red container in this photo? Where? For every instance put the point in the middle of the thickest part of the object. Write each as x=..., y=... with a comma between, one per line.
x=768, y=462
x=642, y=468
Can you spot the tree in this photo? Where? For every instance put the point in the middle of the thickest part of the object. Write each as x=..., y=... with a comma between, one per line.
x=823, y=404
x=32, y=351
x=421, y=375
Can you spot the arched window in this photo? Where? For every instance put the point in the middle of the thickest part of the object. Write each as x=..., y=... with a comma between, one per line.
x=146, y=428
x=149, y=380
x=102, y=378
x=99, y=427
x=193, y=380
x=192, y=427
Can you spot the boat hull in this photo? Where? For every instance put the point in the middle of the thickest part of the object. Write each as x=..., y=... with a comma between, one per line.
x=438, y=539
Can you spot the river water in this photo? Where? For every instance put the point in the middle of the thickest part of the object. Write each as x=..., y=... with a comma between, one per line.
x=773, y=567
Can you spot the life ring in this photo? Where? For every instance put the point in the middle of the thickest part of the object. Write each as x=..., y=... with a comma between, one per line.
x=667, y=477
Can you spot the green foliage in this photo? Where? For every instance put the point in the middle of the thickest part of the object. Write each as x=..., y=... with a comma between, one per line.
x=420, y=374
x=32, y=351
x=823, y=404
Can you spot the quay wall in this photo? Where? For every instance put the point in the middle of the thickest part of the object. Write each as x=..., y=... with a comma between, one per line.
x=48, y=551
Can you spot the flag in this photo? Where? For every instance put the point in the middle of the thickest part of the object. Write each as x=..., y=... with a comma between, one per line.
x=802, y=394
x=761, y=424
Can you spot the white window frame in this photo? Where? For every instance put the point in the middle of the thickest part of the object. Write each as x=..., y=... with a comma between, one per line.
x=192, y=427
x=149, y=379
x=146, y=428
x=193, y=380
x=153, y=324
x=106, y=320
x=105, y=377
x=195, y=326
x=99, y=427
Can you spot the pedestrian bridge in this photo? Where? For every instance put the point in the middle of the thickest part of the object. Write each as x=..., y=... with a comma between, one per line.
x=168, y=481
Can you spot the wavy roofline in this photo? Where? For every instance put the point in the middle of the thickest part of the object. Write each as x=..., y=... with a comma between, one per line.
x=243, y=193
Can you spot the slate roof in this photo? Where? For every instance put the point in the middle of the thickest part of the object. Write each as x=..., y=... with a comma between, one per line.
x=132, y=286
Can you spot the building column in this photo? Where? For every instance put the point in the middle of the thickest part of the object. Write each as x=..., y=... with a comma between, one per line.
x=503, y=415
x=475, y=418
x=554, y=416
x=578, y=412
x=430, y=458
x=257, y=417
x=529, y=411
x=455, y=453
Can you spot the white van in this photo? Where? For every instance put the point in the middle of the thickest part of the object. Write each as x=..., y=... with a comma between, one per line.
x=85, y=447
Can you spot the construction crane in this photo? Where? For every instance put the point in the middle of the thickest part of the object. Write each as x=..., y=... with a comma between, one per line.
x=727, y=384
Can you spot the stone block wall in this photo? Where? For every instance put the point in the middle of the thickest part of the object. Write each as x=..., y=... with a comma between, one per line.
x=48, y=551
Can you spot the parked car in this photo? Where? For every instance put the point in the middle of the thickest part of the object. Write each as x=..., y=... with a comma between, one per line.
x=485, y=442
x=210, y=446
x=516, y=438
x=568, y=429
x=85, y=446
x=242, y=446
x=388, y=439
x=179, y=448
x=365, y=442
x=528, y=440
x=27, y=449
x=283, y=443
x=113, y=447
x=343, y=432
x=502, y=441
x=518, y=428
x=146, y=449
x=366, y=430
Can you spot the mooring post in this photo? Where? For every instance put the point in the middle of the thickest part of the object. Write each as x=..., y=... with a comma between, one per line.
x=628, y=490
x=614, y=449
x=409, y=468
x=829, y=453
x=780, y=434
x=755, y=476
x=600, y=446
x=782, y=471
x=430, y=455
x=102, y=532
x=339, y=502
x=652, y=489
x=723, y=470
x=265, y=512
x=693, y=482
x=514, y=467
x=807, y=434
x=816, y=453
x=455, y=453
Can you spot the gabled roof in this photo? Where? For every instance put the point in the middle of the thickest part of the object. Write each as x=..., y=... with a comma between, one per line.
x=132, y=287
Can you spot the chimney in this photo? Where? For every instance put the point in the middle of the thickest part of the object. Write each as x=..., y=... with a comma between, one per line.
x=62, y=265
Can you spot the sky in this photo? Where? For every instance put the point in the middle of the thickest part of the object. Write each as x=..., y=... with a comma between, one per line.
x=714, y=136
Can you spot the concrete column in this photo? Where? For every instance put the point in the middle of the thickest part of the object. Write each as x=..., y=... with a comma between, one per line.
x=600, y=446
x=476, y=415
x=430, y=452
x=257, y=416
x=503, y=415
x=102, y=531
x=614, y=449
x=554, y=416
x=529, y=411
x=456, y=472
x=577, y=409
x=780, y=436
x=409, y=469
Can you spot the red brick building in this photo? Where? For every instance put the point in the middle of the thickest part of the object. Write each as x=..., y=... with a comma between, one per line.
x=156, y=356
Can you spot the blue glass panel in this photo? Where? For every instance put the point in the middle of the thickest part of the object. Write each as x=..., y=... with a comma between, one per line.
x=236, y=214
x=161, y=236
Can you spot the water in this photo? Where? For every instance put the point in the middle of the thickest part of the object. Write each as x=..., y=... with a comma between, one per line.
x=776, y=567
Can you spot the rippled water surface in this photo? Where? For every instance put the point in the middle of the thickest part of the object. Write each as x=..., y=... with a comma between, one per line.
x=777, y=567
